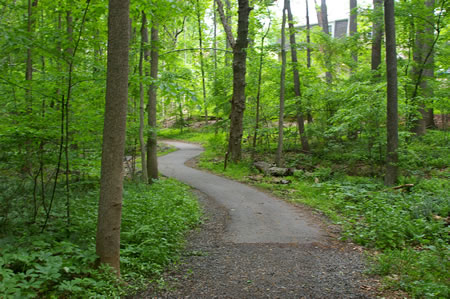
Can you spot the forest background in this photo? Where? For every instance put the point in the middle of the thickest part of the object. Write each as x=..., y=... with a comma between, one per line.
x=323, y=113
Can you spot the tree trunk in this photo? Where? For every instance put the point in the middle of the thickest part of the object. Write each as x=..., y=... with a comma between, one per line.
x=308, y=51
x=278, y=158
x=239, y=69
x=228, y=18
x=322, y=16
x=28, y=167
x=202, y=64
x=111, y=182
x=144, y=44
x=300, y=117
x=152, y=162
x=392, y=110
x=354, y=27
x=377, y=34
x=423, y=69
x=29, y=62
x=308, y=37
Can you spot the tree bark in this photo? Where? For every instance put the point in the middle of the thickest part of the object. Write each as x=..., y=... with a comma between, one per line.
x=239, y=69
x=392, y=110
x=144, y=44
x=152, y=150
x=377, y=34
x=297, y=90
x=111, y=182
x=278, y=158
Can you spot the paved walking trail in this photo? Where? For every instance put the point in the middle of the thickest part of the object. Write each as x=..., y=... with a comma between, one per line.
x=253, y=245
x=255, y=216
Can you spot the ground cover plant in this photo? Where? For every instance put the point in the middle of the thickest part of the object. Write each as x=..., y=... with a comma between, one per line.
x=405, y=229
x=60, y=261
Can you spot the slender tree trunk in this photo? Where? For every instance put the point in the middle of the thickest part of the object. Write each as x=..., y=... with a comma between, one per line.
x=308, y=37
x=392, y=110
x=377, y=34
x=354, y=27
x=29, y=81
x=322, y=16
x=70, y=53
x=215, y=40
x=202, y=64
x=144, y=44
x=111, y=182
x=258, y=93
x=296, y=76
x=29, y=62
x=423, y=70
x=308, y=50
x=278, y=158
x=228, y=20
x=152, y=150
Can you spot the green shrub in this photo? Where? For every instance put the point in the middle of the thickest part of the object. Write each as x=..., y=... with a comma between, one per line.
x=57, y=264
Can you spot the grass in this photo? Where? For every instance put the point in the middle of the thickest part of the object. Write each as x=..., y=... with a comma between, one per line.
x=407, y=229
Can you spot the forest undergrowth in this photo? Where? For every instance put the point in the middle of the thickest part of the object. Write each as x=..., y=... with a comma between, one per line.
x=405, y=229
x=59, y=262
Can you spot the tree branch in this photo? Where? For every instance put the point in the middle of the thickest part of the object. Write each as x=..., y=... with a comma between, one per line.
x=194, y=49
x=225, y=24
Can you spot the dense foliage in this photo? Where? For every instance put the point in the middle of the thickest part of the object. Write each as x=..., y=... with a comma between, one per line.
x=59, y=262
x=52, y=92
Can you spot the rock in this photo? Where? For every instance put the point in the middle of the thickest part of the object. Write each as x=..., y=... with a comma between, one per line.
x=281, y=181
x=268, y=169
x=280, y=171
x=262, y=166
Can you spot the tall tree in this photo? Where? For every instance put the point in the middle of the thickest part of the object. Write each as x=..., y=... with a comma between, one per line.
x=353, y=26
x=308, y=50
x=152, y=150
x=308, y=37
x=377, y=34
x=31, y=20
x=144, y=51
x=392, y=109
x=297, y=90
x=202, y=63
x=322, y=16
x=239, y=47
x=278, y=158
x=423, y=68
x=111, y=181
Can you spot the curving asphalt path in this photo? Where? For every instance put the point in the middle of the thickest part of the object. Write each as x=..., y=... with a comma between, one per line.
x=256, y=217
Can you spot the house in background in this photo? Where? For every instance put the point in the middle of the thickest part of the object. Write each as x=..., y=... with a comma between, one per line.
x=337, y=28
